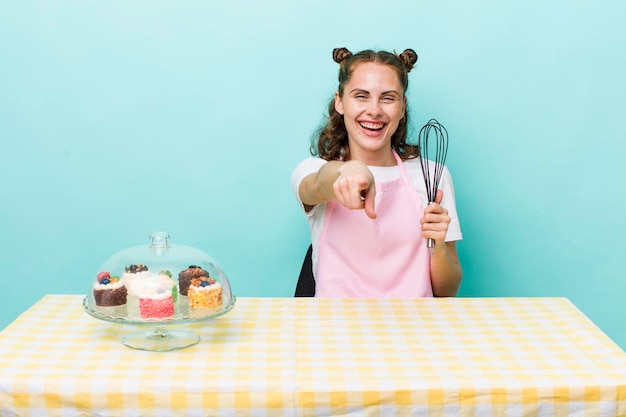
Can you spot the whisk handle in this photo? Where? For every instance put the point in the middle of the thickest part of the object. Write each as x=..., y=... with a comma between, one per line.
x=430, y=243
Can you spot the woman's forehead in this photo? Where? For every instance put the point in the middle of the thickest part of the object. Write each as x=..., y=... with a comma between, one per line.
x=374, y=74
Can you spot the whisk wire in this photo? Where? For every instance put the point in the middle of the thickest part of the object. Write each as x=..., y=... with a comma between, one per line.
x=432, y=179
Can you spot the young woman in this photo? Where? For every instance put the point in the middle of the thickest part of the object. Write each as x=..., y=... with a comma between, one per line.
x=363, y=191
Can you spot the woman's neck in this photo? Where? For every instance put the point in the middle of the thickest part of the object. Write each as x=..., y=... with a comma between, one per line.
x=378, y=159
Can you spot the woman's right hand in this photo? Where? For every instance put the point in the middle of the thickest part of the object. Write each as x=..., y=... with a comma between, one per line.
x=354, y=188
x=350, y=183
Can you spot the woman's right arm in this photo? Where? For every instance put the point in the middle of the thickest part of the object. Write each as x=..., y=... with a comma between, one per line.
x=350, y=183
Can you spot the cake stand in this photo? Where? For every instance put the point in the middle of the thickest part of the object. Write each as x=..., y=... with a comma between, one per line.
x=134, y=270
x=156, y=334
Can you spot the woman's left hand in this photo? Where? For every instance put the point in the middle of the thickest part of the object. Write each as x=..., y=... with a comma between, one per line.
x=435, y=221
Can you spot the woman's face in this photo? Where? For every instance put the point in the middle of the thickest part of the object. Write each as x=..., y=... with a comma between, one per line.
x=372, y=105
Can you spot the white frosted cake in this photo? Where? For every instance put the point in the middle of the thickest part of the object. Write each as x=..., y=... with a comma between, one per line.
x=135, y=273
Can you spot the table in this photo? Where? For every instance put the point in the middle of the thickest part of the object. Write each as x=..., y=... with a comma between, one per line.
x=308, y=356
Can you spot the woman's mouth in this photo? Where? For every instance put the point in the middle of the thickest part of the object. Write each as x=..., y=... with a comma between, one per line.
x=372, y=126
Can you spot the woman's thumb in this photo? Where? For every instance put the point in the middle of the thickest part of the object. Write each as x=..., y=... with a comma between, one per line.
x=439, y=196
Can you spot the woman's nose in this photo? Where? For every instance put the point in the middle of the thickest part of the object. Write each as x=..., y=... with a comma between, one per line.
x=374, y=108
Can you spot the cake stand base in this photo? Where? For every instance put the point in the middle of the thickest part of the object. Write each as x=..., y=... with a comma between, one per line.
x=160, y=339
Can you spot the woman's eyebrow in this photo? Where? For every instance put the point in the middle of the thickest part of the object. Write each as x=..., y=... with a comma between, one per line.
x=365, y=91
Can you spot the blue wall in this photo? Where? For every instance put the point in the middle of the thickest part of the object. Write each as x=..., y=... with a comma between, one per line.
x=120, y=118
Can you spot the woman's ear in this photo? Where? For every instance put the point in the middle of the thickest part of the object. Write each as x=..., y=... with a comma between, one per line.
x=404, y=108
x=338, y=103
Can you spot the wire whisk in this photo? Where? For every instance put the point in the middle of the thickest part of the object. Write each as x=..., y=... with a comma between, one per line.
x=438, y=144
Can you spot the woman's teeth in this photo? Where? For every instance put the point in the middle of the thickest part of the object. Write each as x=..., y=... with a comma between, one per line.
x=372, y=126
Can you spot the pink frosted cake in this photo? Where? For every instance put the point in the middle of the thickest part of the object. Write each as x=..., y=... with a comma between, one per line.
x=205, y=293
x=156, y=296
x=109, y=291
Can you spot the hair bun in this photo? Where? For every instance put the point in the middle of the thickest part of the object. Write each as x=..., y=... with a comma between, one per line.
x=340, y=54
x=408, y=58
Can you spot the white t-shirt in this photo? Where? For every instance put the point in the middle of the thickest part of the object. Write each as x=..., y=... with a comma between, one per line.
x=315, y=217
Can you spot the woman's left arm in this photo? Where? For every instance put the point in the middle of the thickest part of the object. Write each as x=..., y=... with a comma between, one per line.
x=445, y=268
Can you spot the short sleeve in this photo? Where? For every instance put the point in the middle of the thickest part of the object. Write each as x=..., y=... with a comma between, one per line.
x=301, y=171
x=449, y=203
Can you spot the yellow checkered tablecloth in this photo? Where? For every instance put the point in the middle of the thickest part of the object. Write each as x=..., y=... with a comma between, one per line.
x=316, y=357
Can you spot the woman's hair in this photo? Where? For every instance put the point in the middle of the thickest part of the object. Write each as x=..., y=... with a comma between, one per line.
x=330, y=141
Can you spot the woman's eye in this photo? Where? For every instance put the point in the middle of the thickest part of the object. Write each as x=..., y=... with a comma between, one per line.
x=389, y=98
x=361, y=96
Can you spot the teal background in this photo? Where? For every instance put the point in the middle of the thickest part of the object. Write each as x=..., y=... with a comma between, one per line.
x=120, y=118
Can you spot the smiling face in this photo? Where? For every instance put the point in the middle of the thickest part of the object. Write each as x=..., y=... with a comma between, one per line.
x=372, y=105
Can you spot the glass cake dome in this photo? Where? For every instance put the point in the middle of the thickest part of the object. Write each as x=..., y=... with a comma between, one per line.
x=158, y=284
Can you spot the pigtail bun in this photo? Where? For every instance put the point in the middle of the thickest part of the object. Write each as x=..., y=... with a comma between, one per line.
x=408, y=58
x=341, y=54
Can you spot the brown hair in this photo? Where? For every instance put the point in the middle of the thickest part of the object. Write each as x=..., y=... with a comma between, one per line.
x=330, y=141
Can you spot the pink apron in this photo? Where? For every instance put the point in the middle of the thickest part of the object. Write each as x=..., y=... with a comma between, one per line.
x=384, y=257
